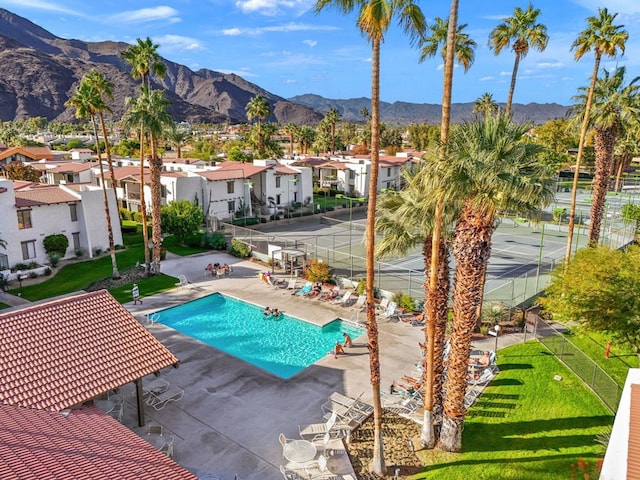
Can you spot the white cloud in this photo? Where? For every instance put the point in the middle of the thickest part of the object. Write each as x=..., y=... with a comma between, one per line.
x=311, y=43
x=271, y=7
x=147, y=15
x=241, y=72
x=506, y=74
x=549, y=64
x=288, y=60
x=40, y=5
x=288, y=27
x=290, y=81
x=627, y=7
x=487, y=78
x=178, y=42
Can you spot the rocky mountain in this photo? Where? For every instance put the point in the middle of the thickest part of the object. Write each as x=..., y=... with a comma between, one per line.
x=41, y=71
x=405, y=113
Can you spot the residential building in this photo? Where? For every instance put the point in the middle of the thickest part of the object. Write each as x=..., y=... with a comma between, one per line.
x=32, y=211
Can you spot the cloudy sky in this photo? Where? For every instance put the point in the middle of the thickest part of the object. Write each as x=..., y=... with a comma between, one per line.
x=288, y=49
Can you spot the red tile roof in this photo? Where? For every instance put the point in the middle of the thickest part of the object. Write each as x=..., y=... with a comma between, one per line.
x=86, y=444
x=43, y=195
x=64, y=352
x=34, y=153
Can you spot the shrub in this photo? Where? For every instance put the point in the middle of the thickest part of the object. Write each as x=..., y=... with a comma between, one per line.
x=125, y=214
x=33, y=274
x=215, y=241
x=97, y=251
x=47, y=271
x=137, y=217
x=56, y=244
x=129, y=226
x=20, y=266
x=32, y=265
x=54, y=260
x=404, y=301
x=318, y=271
x=195, y=240
x=80, y=252
x=239, y=249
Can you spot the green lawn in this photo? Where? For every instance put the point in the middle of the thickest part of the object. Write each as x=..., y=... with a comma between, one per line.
x=621, y=357
x=78, y=276
x=526, y=425
x=148, y=286
x=171, y=244
x=3, y=305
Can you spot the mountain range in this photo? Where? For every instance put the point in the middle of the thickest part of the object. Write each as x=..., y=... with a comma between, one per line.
x=40, y=72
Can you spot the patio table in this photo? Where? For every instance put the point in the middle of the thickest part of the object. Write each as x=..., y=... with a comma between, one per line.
x=299, y=451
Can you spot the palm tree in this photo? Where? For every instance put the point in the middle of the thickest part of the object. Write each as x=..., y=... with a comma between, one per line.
x=307, y=136
x=333, y=117
x=144, y=60
x=614, y=105
x=374, y=18
x=434, y=315
x=464, y=49
x=88, y=101
x=258, y=108
x=525, y=33
x=293, y=131
x=156, y=120
x=364, y=112
x=626, y=149
x=490, y=168
x=485, y=105
x=404, y=220
x=176, y=138
x=605, y=39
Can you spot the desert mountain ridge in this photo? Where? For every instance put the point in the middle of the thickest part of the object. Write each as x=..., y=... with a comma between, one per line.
x=41, y=71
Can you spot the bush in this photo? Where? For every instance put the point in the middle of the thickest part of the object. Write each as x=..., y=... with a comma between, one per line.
x=239, y=249
x=215, y=241
x=33, y=274
x=97, y=251
x=56, y=244
x=318, y=271
x=404, y=301
x=47, y=271
x=194, y=241
x=54, y=260
x=137, y=217
x=20, y=266
x=361, y=288
x=128, y=226
x=125, y=214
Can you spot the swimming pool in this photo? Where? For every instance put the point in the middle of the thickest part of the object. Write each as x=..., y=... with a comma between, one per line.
x=282, y=346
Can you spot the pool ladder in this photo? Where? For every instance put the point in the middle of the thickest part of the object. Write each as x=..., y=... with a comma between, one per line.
x=152, y=318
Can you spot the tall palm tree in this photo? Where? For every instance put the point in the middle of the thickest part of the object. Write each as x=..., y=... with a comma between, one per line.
x=373, y=20
x=404, y=220
x=156, y=120
x=485, y=105
x=88, y=101
x=605, y=39
x=521, y=32
x=259, y=108
x=333, y=117
x=433, y=313
x=307, y=136
x=626, y=149
x=614, y=105
x=144, y=60
x=490, y=168
x=464, y=49
x=293, y=131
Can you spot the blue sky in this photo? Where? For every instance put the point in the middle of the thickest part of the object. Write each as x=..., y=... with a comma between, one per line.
x=287, y=49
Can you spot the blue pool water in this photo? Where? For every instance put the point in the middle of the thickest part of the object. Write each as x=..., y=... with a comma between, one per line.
x=282, y=346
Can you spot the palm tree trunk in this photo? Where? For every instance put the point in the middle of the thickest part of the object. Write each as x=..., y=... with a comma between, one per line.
x=623, y=162
x=512, y=87
x=472, y=248
x=576, y=173
x=378, y=464
x=156, y=199
x=605, y=141
x=427, y=436
x=115, y=273
x=112, y=251
x=143, y=207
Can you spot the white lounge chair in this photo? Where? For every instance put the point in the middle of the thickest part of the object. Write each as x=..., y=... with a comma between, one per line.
x=348, y=413
x=335, y=429
x=183, y=282
x=344, y=300
x=160, y=400
x=382, y=306
x=292, y=284
x=360, y=303
x=337, y=397
x=390, y=312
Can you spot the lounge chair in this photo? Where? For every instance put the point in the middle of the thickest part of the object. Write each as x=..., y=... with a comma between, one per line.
x=292, y=284
x=348, y=413
x=182, y=281
x=331, y=295
x=344, y=300
x=390, y=312
x=360, y=303
x=160, y=400
x=338, y=397
x=305, y=289
x=382, y=306
x=332, y=426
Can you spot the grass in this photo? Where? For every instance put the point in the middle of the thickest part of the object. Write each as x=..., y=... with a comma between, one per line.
x=526, y=425
x=148, y=286
x=3, y=305
x=172, y=244
x=594, y=344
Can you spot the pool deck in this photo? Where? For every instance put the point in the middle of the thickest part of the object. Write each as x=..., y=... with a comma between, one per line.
x=229, y=419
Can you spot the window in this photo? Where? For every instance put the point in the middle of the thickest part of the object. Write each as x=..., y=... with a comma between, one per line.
x=277, y=182
x=76, y=240
x=278, y=199
x=73, y=209
x=389, y=172
x=231, y=205
x=28, y=249
x=352, y=174
x=230, y=187
x=24, y=219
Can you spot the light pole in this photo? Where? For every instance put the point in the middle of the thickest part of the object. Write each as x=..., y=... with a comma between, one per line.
x=340, y=195
x=497, y=329
x=249, y=185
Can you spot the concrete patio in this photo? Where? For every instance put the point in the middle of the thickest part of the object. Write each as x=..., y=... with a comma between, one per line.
x=228, y=422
